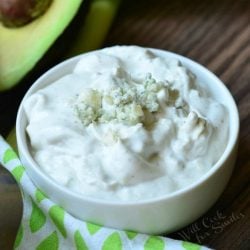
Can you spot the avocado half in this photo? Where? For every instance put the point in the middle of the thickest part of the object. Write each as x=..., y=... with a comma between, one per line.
x=21, y=48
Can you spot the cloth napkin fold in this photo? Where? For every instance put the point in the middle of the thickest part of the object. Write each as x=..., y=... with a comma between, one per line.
x=47, y=226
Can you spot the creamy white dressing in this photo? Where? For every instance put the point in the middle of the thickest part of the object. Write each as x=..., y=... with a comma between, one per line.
x=126, y=125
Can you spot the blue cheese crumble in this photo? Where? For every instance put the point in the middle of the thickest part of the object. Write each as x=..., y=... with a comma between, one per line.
x=126, y=104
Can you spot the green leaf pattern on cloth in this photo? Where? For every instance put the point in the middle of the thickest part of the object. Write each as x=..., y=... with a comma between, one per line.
x=40, y=195
x=18, y=172
x=56, y=213
x=131, y=235
x=37, y=218
x=47, y=226
x=155, y=243
x=113, y=242
x=190, y=246
x=93, y=228
x=79, y=241
x=9, y=155
x=49, y=243
x=19, y=237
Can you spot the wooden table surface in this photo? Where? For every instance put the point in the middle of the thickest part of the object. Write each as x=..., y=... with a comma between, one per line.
x=213, y=33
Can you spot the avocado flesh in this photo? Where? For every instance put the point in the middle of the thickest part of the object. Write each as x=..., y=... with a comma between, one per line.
x=21, y=48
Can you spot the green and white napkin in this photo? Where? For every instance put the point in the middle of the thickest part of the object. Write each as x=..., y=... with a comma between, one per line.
x=47, y=226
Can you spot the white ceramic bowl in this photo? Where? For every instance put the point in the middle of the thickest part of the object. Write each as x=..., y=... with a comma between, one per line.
x=164, y=214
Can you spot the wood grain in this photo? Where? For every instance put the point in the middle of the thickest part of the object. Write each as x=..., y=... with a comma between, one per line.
x=217, y=35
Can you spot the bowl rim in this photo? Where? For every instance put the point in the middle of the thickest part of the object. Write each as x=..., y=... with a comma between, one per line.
x=232, y=140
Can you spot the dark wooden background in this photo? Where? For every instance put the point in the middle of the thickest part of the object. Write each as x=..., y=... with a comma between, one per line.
x=217, y=35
